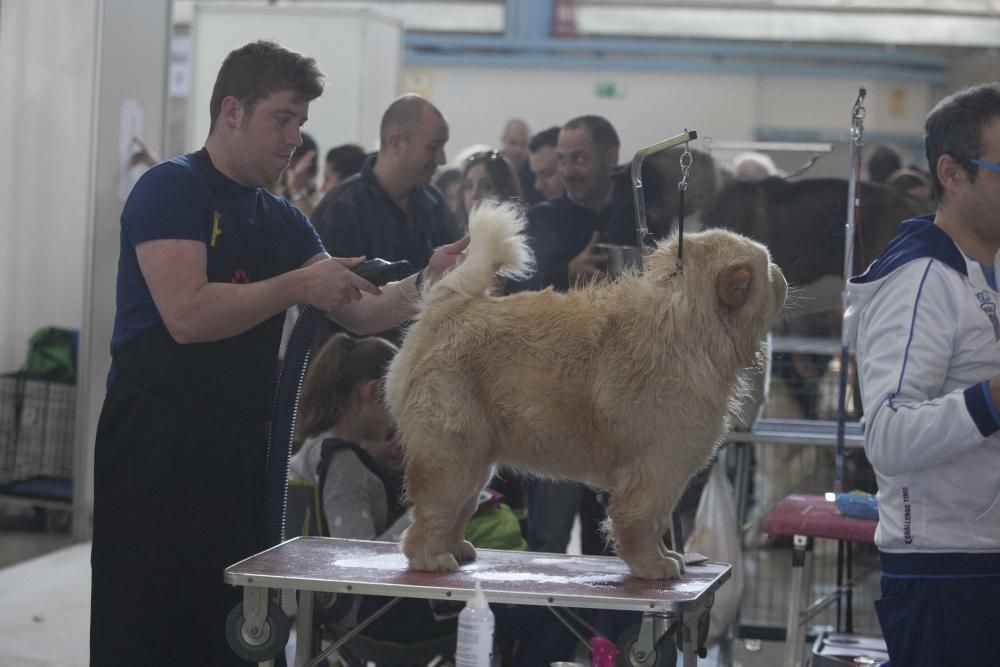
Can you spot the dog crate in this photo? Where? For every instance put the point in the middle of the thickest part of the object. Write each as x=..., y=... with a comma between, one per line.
x=800, y=415
x=37, y=425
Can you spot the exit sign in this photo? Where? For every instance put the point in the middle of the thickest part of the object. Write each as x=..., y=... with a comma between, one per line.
x=609, y=89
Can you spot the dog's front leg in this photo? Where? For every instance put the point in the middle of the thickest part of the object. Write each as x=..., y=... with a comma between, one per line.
x=639, y=518
x=461, y=548
x=444, y=491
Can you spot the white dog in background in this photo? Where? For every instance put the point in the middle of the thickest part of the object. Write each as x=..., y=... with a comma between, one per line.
x=625, y=385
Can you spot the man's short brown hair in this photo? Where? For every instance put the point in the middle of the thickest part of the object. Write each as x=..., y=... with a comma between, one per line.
x=254, y=71
x=955, y=127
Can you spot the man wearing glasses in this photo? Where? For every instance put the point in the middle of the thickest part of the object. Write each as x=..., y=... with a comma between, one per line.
x=925, y=330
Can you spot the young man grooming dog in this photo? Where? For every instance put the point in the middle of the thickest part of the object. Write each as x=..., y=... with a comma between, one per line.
x=209, y=263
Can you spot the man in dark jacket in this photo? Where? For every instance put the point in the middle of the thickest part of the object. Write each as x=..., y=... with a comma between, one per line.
x=390, y=209
x=596, y=207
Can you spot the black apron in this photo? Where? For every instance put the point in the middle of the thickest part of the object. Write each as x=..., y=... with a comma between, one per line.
x=179, y=471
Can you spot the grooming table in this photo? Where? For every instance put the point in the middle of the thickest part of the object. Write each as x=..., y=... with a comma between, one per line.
x=322, y=564
x=805, y=518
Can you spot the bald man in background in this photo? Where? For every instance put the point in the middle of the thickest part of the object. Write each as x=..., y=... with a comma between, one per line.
x=514, y=146
x=390, y=209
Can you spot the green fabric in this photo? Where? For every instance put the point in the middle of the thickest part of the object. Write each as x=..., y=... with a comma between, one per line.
x=51, y=354
x=496, y=528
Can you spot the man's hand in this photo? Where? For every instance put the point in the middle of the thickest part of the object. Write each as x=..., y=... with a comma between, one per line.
x=444, y=259
x=994, y=386
x=331, y=283
x=589, y=264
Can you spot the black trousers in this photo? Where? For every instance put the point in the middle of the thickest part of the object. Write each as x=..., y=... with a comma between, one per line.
x=940, y=621
x=175, y=503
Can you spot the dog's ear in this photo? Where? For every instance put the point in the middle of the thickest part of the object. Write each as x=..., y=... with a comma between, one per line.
x=734, y=285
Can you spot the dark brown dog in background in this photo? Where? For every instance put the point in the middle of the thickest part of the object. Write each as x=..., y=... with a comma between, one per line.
x=626, y=385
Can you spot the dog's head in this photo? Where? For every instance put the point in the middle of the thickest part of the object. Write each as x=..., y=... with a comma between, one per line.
x=728, y=278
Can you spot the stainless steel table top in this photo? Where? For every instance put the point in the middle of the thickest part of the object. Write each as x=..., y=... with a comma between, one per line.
x=515, y=577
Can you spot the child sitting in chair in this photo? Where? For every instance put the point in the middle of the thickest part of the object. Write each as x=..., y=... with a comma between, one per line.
x=342, y=422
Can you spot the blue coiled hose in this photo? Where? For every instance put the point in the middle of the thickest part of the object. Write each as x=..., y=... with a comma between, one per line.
x=283, y=415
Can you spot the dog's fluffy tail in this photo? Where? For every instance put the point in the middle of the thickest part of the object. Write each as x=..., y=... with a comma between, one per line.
x=497, y=247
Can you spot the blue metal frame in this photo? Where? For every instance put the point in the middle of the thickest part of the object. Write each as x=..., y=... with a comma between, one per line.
x=527, y=43
x=599, y=63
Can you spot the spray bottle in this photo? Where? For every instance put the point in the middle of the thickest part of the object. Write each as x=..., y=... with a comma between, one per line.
x=475, y=633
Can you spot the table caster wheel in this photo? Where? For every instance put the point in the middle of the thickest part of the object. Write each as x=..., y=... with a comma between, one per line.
x=629, y=655
x=269, y=641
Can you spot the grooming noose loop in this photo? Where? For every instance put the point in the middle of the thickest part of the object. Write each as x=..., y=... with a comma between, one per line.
x=644, y=239
x=686, y=160
x=682, y=186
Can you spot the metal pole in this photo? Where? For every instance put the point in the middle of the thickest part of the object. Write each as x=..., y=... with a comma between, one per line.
x=641, y=231
x=853, y=217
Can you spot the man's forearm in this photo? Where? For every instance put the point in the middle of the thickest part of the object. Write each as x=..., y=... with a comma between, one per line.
x=398, y=302
x=223, y=310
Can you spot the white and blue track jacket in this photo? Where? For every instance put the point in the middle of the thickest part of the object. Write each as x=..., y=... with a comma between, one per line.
x=923, y=323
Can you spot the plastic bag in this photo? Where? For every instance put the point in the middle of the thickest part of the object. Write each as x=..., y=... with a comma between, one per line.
x=716, y=535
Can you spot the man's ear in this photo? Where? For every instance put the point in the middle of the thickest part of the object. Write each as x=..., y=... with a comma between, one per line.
x=949, y=172
x=231, y=112
x=733, y=285
x=394, y=141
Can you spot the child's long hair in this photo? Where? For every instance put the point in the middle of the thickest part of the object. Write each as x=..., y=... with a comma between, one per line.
x=339, y=366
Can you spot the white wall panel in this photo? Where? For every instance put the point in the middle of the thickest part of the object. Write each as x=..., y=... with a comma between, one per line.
x=897, y=108
x=360, y=53
x=381, y=79
x=131, y=65
x=652, y=106
x=47, y=74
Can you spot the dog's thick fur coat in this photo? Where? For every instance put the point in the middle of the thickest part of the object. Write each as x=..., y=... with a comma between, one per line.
x=625, y=385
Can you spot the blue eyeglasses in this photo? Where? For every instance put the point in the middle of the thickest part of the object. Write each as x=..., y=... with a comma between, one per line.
x=989, y=165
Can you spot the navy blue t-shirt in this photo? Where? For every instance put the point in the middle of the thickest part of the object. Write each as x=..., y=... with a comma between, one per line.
x=173, y=201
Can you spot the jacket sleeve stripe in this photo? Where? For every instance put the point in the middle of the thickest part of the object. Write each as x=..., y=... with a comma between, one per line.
x=913, y=319
x=979, y=403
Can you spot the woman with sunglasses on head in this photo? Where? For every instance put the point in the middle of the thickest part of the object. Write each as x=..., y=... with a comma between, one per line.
x=487, y=175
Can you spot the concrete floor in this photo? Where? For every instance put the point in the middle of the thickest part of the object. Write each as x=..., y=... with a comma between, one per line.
x=44, y=594
x=22, y=535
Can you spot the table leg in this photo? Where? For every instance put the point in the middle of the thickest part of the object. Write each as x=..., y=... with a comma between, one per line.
x=304, y=629
x=801, y=580
x=850, y=588
x=807, y=579
x=689, y=630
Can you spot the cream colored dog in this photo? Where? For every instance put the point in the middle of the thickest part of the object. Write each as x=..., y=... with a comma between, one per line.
x=625, y=385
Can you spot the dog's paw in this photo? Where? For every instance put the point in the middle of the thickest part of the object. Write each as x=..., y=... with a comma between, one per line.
x=673, y=555
x=658, y=568
x=442, y=562
x=464, y=552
